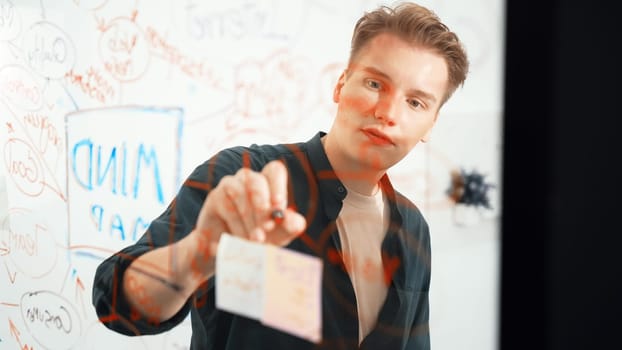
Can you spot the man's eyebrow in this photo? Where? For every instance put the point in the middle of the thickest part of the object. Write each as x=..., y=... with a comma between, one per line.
x=376, y=71
x=416, y=92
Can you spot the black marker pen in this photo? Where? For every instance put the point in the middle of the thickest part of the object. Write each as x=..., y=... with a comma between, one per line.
x=277, y=215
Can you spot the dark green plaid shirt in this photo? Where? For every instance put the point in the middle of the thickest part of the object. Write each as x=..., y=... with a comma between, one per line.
x=317, y=194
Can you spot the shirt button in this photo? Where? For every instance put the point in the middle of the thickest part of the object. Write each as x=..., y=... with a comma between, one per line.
x=340, y=189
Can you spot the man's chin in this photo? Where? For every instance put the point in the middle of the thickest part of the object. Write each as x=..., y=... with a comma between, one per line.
x=378, y=162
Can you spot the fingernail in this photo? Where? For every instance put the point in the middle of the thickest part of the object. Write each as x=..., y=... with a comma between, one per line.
x=259, y=235
x=268, y=225
x=278, y=201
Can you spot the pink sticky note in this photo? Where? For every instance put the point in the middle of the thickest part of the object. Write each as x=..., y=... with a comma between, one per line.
x=292, y=299
x=279, y=287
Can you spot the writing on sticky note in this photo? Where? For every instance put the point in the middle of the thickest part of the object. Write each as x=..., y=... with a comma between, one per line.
x=240, y=276
x=277, y=286
x=292, y=300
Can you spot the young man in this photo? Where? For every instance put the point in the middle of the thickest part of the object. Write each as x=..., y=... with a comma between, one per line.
x=338, y=205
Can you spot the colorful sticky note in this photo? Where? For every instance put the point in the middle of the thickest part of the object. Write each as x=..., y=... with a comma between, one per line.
x=293, y=299
x=240, y=276
x=277, y=286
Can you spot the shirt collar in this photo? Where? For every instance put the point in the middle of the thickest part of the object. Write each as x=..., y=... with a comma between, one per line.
x=332, y=190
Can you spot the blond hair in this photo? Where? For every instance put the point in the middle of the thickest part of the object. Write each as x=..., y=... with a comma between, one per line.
x=418, y=26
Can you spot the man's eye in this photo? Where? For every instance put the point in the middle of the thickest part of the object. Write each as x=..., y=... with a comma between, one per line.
x=414, y=103
x=373, y=84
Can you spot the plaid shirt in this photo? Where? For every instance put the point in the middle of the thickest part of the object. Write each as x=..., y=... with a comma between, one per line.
x=317, y=194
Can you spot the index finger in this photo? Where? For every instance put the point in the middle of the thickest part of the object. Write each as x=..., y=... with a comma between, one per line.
x=276, y=174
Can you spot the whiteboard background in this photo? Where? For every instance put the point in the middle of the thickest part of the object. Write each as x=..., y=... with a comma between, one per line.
x=233, y=73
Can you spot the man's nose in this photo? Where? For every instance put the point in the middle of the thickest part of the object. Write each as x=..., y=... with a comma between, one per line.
x=387, y=109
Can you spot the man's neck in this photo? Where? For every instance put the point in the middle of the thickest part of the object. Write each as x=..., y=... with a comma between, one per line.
x=353, y=174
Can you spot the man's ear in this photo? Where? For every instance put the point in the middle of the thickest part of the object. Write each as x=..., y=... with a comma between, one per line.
x=426, y=136
x=338, y=86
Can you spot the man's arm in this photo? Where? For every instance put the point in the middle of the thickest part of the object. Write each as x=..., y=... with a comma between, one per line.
x=157, y=284
x=241, y=205
x=419, y=338
x=159, y=256
x=160, y=282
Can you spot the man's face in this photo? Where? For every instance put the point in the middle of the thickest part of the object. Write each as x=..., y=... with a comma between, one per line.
x=388, y=100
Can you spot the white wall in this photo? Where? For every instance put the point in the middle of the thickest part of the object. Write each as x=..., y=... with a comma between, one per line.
x=188, y=78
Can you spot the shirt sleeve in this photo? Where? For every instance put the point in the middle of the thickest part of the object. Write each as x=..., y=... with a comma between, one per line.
x=419, y=337
x=177, y=221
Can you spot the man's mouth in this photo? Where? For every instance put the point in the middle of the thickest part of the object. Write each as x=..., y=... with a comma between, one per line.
x=377, y=137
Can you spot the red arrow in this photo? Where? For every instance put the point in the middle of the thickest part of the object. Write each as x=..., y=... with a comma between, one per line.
x=133, y=15
x=79, y=294
x=79, y=283
x=11, y=275
x=9, y=304
x=15, y=332
x=4, y=249
x=101, y=24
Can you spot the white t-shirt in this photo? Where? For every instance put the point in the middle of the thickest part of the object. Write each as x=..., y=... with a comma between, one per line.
x=362, y=223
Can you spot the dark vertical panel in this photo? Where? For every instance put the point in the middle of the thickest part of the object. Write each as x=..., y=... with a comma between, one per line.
x=561, y=199
x=526, y=174
x=586, y=149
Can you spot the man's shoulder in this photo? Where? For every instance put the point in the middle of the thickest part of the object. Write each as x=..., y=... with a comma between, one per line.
x=261, y=154
x=415, y=231
x=405, y=204
x=410, y=213
x=254, y=156
x=275, y=151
